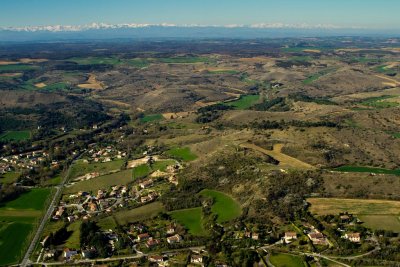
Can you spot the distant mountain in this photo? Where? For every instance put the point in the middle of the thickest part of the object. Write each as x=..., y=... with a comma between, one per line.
x=105, y=31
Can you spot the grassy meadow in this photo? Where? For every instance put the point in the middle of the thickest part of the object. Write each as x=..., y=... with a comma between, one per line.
x=224, y=206
x=138, y=214
x=191, y=219
x=15, y=136
x=244, y=102
x=181, y=153
x=81, y=168
x=286, y=260
x=367, y=170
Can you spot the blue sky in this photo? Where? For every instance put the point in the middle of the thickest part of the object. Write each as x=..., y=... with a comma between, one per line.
x=360, y=13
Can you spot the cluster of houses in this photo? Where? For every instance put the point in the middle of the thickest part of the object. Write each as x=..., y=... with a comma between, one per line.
x=106, y=154
x=27, y=161
x=163, y=260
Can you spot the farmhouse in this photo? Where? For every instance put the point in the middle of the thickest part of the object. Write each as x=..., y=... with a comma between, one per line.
x=156, y=258
x=353, y=237
x=290, y=236
x=196, y=259
x=143, y=237
x=174, y=239
x=146, y=183
x=317, y=238
x=152, y=242
x=68, y=254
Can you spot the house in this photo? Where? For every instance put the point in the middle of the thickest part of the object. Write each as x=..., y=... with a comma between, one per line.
x=353, y=237
x=255, y=236
x=68, y=253
x=146, y=183
x=143, y=237
x=156, y=258
x=290, y=236
x=174, y=239
x=152, y=242
x=196, y=259
x=88, y=253
x=317, y=238
x=344, y=218
x=170, y=230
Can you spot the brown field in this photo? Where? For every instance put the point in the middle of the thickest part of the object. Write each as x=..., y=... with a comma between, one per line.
x=174, y=115
x=315, y=51
x=92, y=83
x=324, y=206
x=16, y=74
x=40, y=85
x=32, y=60
x=6, y=62
x=396, y=82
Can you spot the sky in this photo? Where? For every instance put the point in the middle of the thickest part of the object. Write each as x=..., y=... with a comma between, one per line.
x=343, y=13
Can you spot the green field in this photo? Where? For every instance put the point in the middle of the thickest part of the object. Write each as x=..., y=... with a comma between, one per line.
x=141, y=171
x=382, y=222
x=224, y=206
x=139, y=214
x=17, y=220
x=9, y=177
x=81, y=168
x=144, y=170
x=191, y=219
x=183, y=60
x=286, y=260
x=244, y=102
x=366, y=169
x=95, y=60
x=12, y=240
x=224, y=72
x=138, y=62
x=102, y=182
x=56, y=87
x=32, y=200
x=316, y=76
x=378, y=102
x=152, y=117
x=181, y=153
x=17, y=67
x=15, y=136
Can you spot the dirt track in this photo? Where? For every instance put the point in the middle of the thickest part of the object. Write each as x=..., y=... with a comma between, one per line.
x=284, y=160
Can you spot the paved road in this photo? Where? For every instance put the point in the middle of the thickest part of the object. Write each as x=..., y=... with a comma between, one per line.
x=128, y=257
x=26, y=261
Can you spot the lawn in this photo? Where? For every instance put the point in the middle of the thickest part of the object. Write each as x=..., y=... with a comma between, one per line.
x=74, y=240
x=17, y=220
x=9, y=177
x=286, y=260
x=56, y=86
x=102, y=182
x=54, y=181
x=224, y=206
x=152, y=117
x=191, y=219
x=366, y=169
x=139, y=214
x=15, y=136
x=382, y=222
x=81, y=168
x=17, y=67
x=33, y=200
x=324, y=206
x=181, y=153
x=244, y=102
